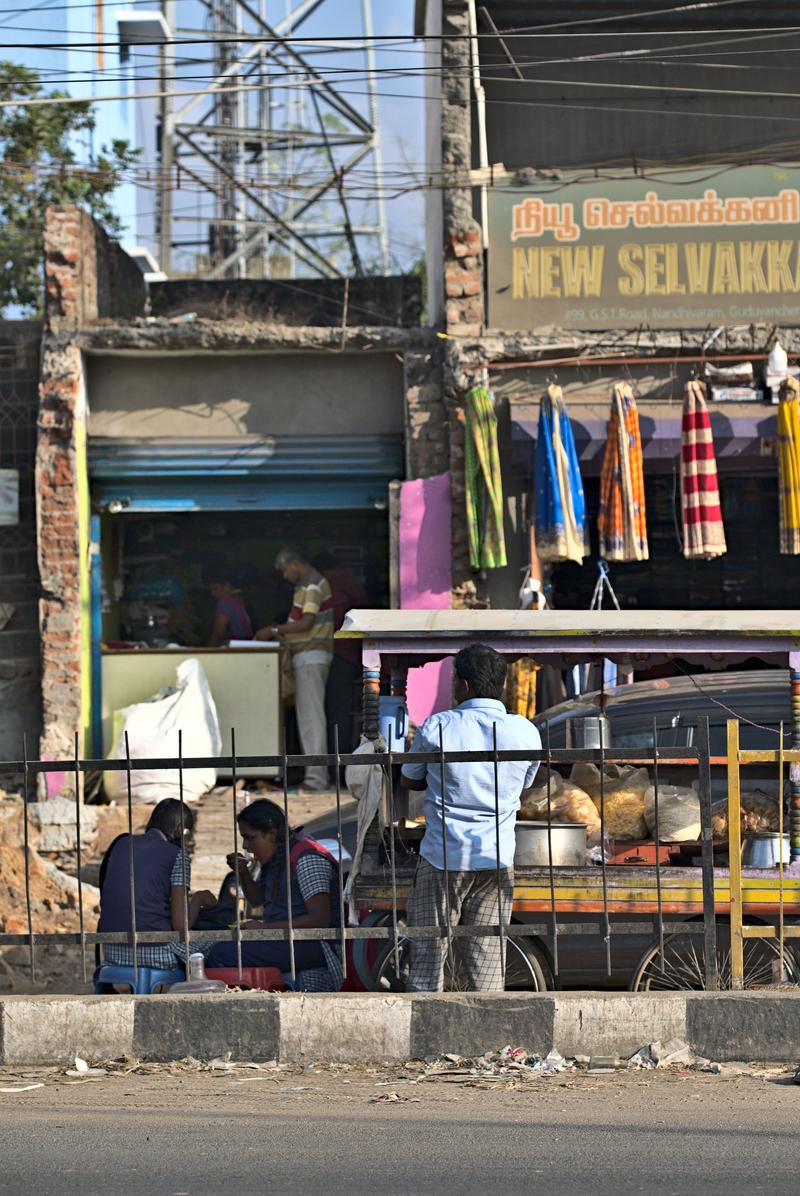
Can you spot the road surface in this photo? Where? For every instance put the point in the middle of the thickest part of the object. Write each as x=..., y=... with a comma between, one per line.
x=322, y=1131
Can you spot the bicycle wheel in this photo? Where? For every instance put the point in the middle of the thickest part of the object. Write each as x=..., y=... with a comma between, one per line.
x=681, y=965
x=527, y=968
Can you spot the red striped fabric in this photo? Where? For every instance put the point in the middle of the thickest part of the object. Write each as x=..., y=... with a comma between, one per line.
x=701, y=511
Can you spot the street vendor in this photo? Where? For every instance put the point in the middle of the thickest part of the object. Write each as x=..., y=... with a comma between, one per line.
x=308, y=633
x=467, y=805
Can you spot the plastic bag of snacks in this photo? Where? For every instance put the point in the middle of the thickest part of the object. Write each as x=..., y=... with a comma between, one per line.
x=759, y=812
x=678, y=814
x=624, y=806
x=623, y=797
x=568, y=803
x=587, y=777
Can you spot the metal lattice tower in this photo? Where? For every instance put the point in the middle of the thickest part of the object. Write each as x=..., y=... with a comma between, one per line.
x=271, y=150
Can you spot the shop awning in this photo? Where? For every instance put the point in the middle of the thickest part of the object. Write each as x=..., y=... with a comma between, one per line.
x=745, y=434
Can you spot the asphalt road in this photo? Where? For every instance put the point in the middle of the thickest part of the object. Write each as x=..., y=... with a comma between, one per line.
x=322, y=1132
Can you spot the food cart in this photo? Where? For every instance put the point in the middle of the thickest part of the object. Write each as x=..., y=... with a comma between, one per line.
x=654, y=926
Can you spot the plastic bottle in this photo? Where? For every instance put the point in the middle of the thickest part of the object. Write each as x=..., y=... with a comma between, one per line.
x=778, y=362
x=198, y=982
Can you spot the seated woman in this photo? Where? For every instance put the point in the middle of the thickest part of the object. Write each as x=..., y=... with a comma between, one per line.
x=315, y=899
x=231, y=620
x=161, y=873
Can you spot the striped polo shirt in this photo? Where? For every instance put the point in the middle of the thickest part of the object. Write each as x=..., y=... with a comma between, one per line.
x=313, y=597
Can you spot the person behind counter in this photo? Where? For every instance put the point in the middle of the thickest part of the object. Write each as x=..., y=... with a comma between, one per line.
x=162, y=875
x=308, y=633
x=315, y=899
x=344, y=680
x=231, y=620
x=467, y=807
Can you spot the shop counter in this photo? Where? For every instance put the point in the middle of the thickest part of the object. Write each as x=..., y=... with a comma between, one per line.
x=244, y=682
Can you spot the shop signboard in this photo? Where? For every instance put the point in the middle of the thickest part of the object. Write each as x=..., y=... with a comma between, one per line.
x=673, y=250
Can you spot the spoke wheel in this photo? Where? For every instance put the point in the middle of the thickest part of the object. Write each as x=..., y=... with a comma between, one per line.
x=680, y=966
x=527, y=968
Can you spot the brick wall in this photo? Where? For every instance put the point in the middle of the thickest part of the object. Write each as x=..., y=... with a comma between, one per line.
x=86, y=275
x=426, y=416
x=19, y=579
x=463, y=273
x=60, y=406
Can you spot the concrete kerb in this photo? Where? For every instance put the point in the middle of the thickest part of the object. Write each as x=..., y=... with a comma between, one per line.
x=370, y=1028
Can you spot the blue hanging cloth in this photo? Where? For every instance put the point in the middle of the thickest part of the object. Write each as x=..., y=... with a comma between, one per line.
x=561, y=529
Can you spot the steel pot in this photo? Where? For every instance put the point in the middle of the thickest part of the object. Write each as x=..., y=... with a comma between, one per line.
x=762, y=849
x=568, y=839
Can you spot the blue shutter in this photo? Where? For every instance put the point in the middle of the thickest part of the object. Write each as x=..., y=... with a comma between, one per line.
x=246, y=473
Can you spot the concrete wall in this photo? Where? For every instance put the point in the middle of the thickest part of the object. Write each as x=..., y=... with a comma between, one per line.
x=586, y=119
x=374, y=301
x=225, y=395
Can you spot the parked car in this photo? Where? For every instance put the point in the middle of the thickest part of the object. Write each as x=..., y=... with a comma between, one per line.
x=760, y=699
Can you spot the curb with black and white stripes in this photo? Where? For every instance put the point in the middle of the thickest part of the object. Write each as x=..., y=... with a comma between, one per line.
x=362, y=1028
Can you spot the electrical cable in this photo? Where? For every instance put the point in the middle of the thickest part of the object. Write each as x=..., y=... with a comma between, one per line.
x=716, y=702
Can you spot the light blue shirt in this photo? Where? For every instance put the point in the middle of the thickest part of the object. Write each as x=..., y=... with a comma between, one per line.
x=469, y=804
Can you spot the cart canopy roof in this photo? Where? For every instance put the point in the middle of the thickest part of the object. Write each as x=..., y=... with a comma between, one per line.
x=566, y=636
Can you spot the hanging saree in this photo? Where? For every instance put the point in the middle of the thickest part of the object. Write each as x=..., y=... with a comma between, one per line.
x=484, y=483
x=701, y=510
x=561, y=531
x=621, y=521
x=789, y=466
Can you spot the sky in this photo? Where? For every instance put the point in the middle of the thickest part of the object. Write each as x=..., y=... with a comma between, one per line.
x=400, y=104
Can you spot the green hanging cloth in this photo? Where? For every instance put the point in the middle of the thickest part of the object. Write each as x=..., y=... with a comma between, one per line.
x=484, y=484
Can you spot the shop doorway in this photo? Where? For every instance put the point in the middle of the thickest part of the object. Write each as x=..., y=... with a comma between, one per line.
x=157, y=568
x=153, y=590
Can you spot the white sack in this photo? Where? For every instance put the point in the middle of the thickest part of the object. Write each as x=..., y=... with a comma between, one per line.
x=678, y=813
x=153, y=728
x=367, y=784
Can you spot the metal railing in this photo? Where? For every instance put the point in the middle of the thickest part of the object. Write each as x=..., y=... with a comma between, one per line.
x=605, y=918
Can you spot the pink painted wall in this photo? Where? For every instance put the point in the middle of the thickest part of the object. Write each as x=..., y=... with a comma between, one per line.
x=425, y=581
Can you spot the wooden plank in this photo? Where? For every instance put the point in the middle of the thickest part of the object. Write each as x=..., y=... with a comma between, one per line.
x=707, y=845
x=735, y=856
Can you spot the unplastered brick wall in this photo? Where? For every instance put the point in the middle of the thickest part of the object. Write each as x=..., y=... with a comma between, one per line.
x=463, y=254
x=426, y=415
x=463, y=273
x=57, y=513
x=86, y=275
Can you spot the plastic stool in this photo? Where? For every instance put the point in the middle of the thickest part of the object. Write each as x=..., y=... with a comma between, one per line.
x=146, y=983
x=264, y=979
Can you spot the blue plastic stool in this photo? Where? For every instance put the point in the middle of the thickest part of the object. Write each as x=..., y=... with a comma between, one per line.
x=148, y=979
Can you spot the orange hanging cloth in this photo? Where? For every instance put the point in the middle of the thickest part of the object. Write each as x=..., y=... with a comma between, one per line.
x=621, y=522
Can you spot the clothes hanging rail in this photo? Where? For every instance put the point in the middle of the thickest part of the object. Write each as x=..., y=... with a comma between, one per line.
x=549, y=362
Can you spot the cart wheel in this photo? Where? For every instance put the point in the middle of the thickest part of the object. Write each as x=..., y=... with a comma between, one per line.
x=527, y=968
x=681, y=965
x=366, y=951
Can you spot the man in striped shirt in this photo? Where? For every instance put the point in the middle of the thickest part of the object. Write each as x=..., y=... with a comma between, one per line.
x=308, y=634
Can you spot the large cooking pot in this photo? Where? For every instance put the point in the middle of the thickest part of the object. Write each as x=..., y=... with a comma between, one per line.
x=762, y=849
x=568, y=839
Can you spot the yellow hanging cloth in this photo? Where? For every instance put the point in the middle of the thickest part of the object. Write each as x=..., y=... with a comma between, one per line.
x=789, y=466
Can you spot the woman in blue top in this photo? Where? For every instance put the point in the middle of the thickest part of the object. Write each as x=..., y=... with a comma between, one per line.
x=314, y=894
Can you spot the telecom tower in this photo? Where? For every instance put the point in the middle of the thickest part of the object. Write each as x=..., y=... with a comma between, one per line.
x=269, y=150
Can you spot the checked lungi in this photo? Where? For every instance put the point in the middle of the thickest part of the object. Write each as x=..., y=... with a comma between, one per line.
x=473, y=901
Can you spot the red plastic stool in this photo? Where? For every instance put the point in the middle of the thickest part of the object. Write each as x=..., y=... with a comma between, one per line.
x=266, y=979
